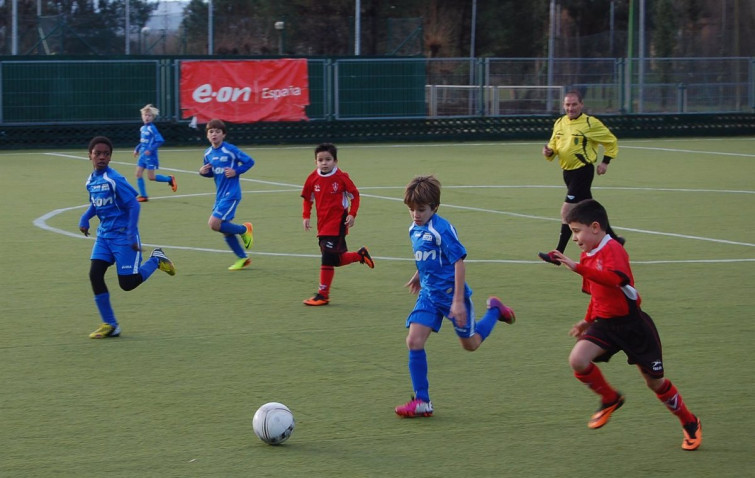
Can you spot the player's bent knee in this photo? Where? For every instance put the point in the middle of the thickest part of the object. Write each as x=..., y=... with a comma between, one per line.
x=130, y=282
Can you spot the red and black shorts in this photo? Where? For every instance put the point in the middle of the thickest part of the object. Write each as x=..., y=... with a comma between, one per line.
x=332, y=247
x=578, y=183
x=635, y=334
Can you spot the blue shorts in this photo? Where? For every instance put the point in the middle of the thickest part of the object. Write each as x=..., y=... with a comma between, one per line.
x=225, y=209
x=148, y=162
x=118, y=251
x=431, y=313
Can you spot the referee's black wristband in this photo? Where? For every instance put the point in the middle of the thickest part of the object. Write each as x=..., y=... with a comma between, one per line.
x=606, y=159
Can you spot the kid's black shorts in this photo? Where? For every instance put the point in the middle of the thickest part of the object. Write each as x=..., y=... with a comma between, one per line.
x=332, y=247
x=635, y=334
x=578, y=183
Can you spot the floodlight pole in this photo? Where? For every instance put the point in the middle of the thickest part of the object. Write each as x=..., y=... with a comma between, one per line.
x=474, y=29
x=210, y=46
x=357, y=27
x=280, y=27
x=551, y=35
x=641, y=59
x=128, y=27
x=14, y=28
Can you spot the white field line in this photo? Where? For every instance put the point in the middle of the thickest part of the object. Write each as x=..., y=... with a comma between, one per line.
x=41, y=222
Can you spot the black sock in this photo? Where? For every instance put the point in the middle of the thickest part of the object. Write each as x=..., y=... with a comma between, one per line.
x=563, y=237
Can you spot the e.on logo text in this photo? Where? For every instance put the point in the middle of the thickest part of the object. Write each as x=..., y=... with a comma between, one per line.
x=204, y=94
x=229, y=94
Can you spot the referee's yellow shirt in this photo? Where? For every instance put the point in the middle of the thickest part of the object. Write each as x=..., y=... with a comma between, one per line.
x=576, y=141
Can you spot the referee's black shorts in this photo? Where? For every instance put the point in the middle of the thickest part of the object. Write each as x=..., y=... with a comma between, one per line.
x=635, y=334
x=578, y=183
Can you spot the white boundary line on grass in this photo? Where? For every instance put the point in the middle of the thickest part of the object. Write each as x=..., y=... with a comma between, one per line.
x=41, y=221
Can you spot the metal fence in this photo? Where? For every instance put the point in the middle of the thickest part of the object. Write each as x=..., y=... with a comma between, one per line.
x=54, y=92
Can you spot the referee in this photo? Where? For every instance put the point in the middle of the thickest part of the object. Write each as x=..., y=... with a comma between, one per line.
x=575, y=141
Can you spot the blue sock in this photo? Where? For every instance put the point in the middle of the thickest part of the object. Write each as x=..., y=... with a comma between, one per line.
x=106, y=311
x=148, y=267
x=235, y=245
x=161, y=178
x=227, y=227
x=488, y=321
x=140, y=184
x=418, y=372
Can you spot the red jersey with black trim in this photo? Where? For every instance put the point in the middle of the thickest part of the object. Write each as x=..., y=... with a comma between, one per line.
x=332, y=194
x=607, y=277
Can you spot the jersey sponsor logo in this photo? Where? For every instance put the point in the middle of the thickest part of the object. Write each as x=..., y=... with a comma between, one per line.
x=317, y=188
x=99, y=202
x=426, y=255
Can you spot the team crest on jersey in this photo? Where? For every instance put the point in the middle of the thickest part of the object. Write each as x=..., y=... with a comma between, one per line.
x=335, y=187
x=576, y=141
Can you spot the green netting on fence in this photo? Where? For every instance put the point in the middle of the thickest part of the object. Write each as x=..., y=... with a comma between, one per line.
x=311, y=132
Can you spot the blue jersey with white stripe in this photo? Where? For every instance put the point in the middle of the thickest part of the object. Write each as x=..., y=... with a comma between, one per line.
x=227, y=156
x=436, y=249
x=112, y=197
x=150, y=139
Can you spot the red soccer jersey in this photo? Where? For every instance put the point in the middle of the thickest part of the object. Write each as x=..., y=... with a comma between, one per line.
x=331, y=195
x=607, y=277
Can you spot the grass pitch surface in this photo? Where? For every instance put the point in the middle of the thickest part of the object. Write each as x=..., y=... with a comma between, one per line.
x=175, y=395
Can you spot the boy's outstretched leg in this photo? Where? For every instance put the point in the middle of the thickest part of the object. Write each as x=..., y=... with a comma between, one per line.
x=693, y=429
x=611, y=399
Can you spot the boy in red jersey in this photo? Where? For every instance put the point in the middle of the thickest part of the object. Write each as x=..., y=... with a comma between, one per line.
x=336, y=200
x=614, y=321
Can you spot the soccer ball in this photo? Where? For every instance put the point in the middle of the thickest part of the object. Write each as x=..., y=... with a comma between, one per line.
x=273, y=423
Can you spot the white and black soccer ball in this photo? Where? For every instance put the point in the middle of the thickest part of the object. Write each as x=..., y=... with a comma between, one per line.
x=273, y=423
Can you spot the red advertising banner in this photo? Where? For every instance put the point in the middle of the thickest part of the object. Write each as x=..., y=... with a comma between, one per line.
x=244, y=91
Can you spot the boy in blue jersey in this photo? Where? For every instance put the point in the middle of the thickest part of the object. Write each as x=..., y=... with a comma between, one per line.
x=113, y=200
x=225, y=163
x=440, y=281
x=146, y=151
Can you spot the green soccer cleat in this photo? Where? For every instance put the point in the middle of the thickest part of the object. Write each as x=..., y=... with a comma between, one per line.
x=164, y=264
x=106, y=331
x=240, y=264
x=248, y=236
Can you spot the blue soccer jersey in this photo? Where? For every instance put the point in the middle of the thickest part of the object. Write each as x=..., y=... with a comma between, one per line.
x=227, y=156
x=436, y=249
x=111, y=199
x=150, y=140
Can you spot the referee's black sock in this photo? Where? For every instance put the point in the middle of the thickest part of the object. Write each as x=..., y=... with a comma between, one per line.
x=563, y=237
